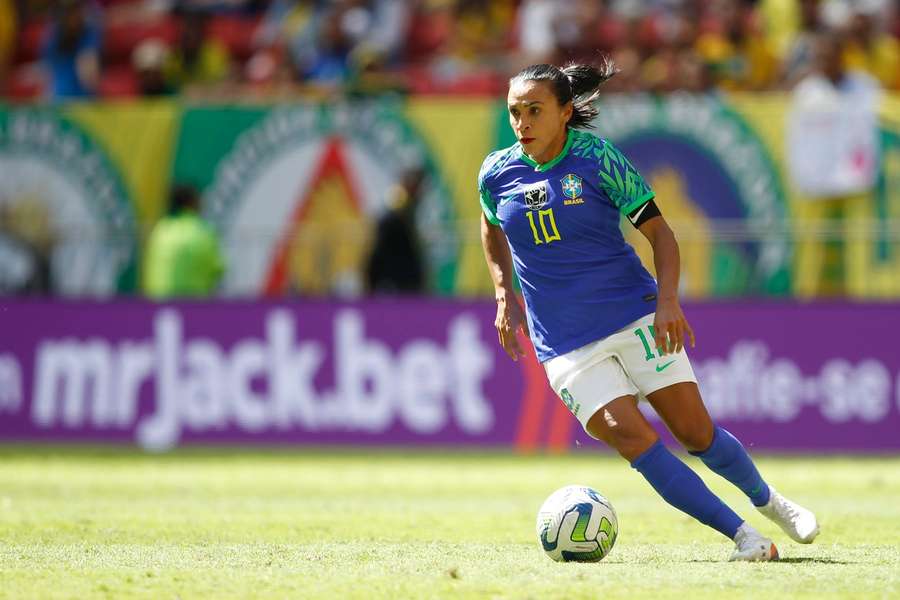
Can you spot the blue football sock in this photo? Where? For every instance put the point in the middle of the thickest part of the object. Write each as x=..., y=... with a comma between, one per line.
x=683, y=489
x=727, y=457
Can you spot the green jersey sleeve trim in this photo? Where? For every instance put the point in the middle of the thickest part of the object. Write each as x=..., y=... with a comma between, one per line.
x=488, y=206
x=639, y=202
x=617, y=176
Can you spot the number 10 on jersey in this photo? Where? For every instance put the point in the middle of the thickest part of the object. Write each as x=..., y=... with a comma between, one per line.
x=545, y=218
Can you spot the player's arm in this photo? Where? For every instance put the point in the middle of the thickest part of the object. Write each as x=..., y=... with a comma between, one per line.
x=510, y=316
x=670, y=324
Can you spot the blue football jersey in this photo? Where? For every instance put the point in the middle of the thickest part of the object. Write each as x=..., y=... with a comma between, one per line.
x=580, y=279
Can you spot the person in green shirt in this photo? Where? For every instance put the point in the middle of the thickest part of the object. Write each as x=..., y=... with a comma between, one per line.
x=182, y=257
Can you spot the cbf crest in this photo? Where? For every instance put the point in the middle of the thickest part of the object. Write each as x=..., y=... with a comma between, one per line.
x=536, y=195
x=571, y=185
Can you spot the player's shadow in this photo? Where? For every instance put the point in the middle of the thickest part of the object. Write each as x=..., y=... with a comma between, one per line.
x=812, y=559
x=791, y=560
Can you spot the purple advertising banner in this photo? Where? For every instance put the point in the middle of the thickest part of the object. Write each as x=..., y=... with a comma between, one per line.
x=815, y=377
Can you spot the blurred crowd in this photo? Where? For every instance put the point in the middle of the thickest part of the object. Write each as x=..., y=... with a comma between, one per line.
x=115, y=48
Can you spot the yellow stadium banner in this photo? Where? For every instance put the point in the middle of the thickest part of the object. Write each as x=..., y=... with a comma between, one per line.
x=294, y=191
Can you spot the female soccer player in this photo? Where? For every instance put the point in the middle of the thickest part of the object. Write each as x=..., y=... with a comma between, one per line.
x=605, y=331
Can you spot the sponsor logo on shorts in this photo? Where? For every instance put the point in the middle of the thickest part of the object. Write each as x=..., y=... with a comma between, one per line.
x=661, y=368
x=569, y=401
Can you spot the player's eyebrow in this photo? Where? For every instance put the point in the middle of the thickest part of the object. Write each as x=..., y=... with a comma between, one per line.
x=526, y=104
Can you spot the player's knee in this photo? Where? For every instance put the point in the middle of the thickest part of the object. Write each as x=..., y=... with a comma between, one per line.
x=632, y=444
x=696, y=438
x=630, y=440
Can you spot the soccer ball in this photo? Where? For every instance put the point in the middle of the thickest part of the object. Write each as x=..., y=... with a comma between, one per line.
x=577, y=524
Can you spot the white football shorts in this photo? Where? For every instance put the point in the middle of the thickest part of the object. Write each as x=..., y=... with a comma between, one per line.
x=625, y=363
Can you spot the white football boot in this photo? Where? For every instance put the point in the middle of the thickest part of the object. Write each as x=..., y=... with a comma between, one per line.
x=799, y=523
x=752, y=546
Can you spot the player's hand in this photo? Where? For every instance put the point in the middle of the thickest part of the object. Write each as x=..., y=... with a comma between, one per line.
x=671, y=327
x=510, y=318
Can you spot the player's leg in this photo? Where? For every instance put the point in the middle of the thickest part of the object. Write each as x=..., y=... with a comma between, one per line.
x=622, y=427
x=595, y=387
x=625, y=429
x=681, y=408
x=650, y=370
x=669, y=383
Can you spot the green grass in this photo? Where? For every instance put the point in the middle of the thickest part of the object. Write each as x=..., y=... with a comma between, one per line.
x=80, y=523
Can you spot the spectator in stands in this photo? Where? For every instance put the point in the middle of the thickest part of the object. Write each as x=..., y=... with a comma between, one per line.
x=691, y=73
x=221, y=6
x=387, y=27
x=476, y=48
x=396, y=264
x=7, y=39
x=370, y=74
x=328, y=43
x=284, y=22
x=344, y=37
x=894, y=20
x=738, y=54
x=576, y=31
x=536, y=34
x=460, y=45
x=780, y=21
x=799, y=60
x=832, y=152
x=149, y=60
x=71, y=51
x=326, y=59
x=870, y=48
x=675, y=64
x=197, y=58
x=182, y=258
x=627, y=80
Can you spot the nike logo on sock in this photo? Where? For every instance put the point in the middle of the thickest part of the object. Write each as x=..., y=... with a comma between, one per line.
x=661, y=368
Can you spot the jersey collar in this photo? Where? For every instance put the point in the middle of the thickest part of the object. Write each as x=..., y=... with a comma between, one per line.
x=552, y=163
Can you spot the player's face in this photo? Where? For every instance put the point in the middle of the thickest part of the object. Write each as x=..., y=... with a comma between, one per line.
x=537, y=119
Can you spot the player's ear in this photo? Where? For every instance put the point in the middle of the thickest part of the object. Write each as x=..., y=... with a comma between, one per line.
x=567, y=110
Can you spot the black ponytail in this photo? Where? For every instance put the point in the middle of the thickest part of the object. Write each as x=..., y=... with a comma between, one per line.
x=576, y=82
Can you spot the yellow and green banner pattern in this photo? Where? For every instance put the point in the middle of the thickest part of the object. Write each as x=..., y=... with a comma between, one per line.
x=295, y=189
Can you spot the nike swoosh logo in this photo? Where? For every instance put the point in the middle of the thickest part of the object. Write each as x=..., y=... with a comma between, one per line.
x=637, y=215
x=661, y=368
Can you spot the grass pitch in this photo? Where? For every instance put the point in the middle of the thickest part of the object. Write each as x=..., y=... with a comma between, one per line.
x=78, y=523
